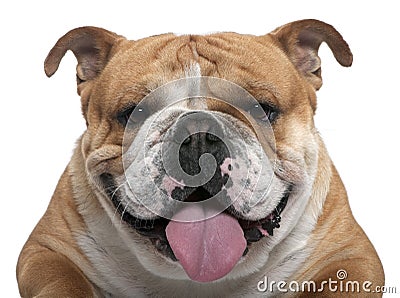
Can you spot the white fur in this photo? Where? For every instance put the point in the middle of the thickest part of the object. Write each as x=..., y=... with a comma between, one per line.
x=193, y=72
x=125, y=264
x=114, y=249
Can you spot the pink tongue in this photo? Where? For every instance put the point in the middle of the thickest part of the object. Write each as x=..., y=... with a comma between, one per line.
x=207, y=249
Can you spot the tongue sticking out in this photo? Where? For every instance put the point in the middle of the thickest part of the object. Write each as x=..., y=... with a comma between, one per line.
x=207, y=249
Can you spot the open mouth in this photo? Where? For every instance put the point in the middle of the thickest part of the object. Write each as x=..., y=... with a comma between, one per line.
x=155, y=229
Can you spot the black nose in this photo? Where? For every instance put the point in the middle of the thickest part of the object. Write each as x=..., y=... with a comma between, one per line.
x=200, y=140
x=202, y=133
x=199, y=133
x=197, y=144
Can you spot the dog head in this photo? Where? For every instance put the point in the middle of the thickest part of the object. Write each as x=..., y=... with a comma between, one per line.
x=193, y=137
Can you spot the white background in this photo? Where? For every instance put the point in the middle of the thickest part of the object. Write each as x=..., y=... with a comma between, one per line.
x=358, y=108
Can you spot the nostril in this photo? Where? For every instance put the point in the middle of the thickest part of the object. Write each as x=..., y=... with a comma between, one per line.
x=212, y=138
x=186, y=141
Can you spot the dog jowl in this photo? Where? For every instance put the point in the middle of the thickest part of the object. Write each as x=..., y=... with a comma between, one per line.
x=200, y=172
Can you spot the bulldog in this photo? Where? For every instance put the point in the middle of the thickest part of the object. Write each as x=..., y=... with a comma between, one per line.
x=200, y=173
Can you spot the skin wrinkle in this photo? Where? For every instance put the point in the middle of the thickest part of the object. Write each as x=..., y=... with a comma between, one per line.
x=187, y=52
x=160, y=52
x=107, y=134
x=180, y=55
x=226, y=52
x=256, y=87
x=230, y=46
x=192, y=44
x=198, y=39
x=308, y=241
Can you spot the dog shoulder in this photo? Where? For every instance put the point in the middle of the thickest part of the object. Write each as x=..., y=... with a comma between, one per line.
x=342, y=250
x=51, y=253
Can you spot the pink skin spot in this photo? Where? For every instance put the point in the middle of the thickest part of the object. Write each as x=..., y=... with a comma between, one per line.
x=259, y=227
x=264, y=232
x=225, y=166
x=170, y=184
x=270, y=216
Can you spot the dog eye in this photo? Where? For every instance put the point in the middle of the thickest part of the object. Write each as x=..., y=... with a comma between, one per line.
x=123, y=116
x=263, y=112
x=133, y=114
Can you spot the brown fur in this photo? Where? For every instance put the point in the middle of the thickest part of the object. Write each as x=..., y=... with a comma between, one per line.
x=282, y=67
x=48, y=262
x=339, y=243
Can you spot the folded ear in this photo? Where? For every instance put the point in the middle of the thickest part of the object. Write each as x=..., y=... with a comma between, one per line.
x=92, y=48
x=301, y=40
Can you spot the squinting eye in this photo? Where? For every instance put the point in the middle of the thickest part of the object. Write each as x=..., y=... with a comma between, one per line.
x=132, y=114
x=264, y=112
x=123, y=116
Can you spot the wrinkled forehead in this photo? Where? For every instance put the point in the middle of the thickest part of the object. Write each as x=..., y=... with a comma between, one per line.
x=140, y=67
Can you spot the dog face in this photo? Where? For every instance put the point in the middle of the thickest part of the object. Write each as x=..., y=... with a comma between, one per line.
x=216, y=131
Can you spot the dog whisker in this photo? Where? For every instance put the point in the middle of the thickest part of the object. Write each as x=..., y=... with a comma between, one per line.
x=113, y=195
x=122, y=214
